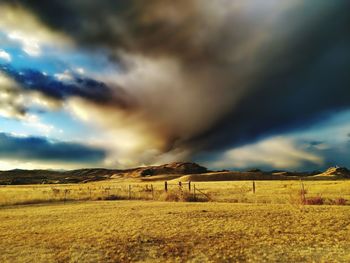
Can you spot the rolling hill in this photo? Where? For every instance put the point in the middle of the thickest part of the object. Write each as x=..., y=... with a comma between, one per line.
x=182, y=171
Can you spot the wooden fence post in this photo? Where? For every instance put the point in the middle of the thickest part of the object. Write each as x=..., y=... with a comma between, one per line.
x=166, y=186
x=152, y=191
x=189, y=186
x=302, y=192
x=65, y=195
x=129, y=192
x=253, y=187
x=194, y=192
x=181, y=190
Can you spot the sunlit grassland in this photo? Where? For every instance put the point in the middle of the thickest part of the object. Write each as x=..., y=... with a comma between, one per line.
x=274, y=192
x=75, y=223
x=148, y=231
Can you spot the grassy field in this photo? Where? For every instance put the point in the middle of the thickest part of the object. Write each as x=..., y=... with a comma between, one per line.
x=95, y=222
x=273, y=192
x=148, y=231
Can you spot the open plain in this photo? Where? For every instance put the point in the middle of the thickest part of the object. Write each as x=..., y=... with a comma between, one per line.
x=39, y=224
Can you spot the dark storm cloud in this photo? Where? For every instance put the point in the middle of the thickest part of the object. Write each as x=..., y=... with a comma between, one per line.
x=87, y=88
x=133, y=25
x=38, y=148
x=293, y=99
x=297, y=75
x=315, y=143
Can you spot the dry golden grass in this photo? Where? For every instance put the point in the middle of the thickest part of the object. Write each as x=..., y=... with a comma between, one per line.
x=274, y=192
x=272, y=225
x=147, y=231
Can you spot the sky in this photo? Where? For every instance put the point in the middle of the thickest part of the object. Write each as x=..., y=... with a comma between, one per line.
x=229, y=84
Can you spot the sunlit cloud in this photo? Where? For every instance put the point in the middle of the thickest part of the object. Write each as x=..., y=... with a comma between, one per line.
x=5, y=56
x=64, y=76
x=22, y=26
x=34, y=121
x=318, y=146
x=128, y=140
x=276, y=152
x=30, y=44
x=11, y=100
x=6, y=165
x=15, y=102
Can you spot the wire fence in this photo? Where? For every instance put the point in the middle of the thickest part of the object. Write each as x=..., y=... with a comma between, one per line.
x=246, y=192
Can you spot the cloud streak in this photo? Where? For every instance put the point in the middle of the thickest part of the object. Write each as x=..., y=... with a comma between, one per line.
x=42, y=149
x=276, y=153
x=61, y=89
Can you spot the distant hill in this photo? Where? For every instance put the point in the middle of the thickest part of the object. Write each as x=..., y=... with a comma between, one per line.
x=334, y=173
x=16, y=177
x=19, y=177
x=183, y=171
x=172, y=168
x=241, y=176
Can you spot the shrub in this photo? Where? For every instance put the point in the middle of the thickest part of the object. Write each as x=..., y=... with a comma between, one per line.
x=55, y=191
x=339, y=201
x=185, y=196
x=114, y=197
x=172, y=196
x=317, y=200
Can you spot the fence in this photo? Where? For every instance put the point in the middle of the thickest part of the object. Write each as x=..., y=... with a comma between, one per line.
x=131, y=191
x=127, y=192
x=300, y=192
x=179, y=184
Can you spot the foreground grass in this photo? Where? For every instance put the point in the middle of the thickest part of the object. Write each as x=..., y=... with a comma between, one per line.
x=147, y=231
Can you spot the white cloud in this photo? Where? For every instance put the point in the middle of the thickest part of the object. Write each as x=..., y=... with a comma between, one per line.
x=64, y=76
x=5, y=56
x=29, y=44
x=35, y=122
x=23, y=27
x=81, y=71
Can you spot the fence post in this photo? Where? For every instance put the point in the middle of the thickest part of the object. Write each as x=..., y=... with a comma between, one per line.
x=181, y=190
x=152, y=191
x=65, y=195
x=189, y=186
x=302, y=191
x=129, y=191
x=253, y=187
x=166, y=186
